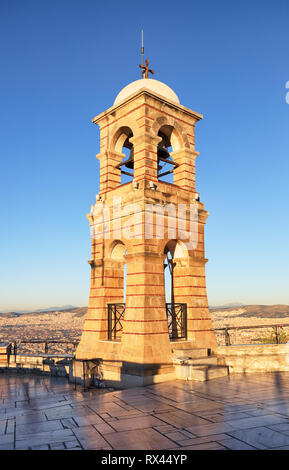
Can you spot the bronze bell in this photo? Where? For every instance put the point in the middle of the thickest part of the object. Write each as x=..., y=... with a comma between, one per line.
x=163, y=154
x=130, y=163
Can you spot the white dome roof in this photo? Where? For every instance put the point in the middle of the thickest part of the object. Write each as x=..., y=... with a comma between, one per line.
x=151, y=85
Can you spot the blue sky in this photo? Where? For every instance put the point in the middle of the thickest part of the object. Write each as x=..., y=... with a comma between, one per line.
x=63, y=62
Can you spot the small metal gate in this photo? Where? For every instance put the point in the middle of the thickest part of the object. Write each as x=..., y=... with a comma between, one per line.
x=115, y=316
x=176, y=316
x=177, y=321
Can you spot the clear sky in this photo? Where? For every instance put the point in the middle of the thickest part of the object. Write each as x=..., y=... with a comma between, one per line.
x=63, y=62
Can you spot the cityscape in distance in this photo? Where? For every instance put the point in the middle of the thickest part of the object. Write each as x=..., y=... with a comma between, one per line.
x=65, y=324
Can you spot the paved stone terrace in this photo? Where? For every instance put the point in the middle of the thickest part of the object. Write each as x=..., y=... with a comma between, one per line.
x=236, y=412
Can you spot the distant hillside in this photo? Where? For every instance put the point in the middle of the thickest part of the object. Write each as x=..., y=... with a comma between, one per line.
x=10, y=315
x=247, y=311
x=75, y=311
x=232, y=311
x=230, y=305
x=79, y=312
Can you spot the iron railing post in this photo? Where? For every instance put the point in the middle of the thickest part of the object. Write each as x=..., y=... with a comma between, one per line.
x=227, y=337
x=277, y=332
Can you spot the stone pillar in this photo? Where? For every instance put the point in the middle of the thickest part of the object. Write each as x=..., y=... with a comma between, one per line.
x=146, y=349
x=106, y=286
x=145, y=156
x=110, y=176
x=184, y=174
x=190, y=288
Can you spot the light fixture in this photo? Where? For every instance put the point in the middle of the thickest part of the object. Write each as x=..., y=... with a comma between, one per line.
x=152, y=185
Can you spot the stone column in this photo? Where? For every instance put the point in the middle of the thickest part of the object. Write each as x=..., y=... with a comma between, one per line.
x=184, y=174
x=190, y=288
x=145, y=340
x=106, y=286
x=145, y=156
x=110, y=176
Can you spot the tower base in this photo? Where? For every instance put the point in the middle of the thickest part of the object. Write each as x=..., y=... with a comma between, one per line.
x=119, y=375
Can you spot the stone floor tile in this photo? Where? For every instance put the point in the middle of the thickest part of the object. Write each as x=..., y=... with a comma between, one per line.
x=7, y=440
x=131, y=414
x=23, y=430
x=235, y=444
x=202, y=440
x=261, y=438
x=209, y=429
x=150, y=405
x=139, y=439
x=90, y=438
x=43, y=447
x=256, y=407
x=72, y=444
x=181, y=419
x=7, y=445
x=57, y=446
x=3, y=424
x=103, y=428
x=10, y=428
x=32, y=417
x=163, y=428
x=282, y=427
x=215, y=418
x=136, y=423
x=68, y=423
x=42, y=438
x=205, y=446
x=255, y=422
x=176, y=436
x=67, y=412
x=87, y=420
x=78, y=448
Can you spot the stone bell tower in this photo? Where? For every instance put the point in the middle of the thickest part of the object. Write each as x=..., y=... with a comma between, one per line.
x=135, y=226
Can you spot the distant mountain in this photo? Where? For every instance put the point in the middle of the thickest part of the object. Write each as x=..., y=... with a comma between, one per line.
x=232, y=305
x=75, y=311
x=42, y=310
x=247, y=311
x=237, y=309
x=10, y=314
x=54, y=309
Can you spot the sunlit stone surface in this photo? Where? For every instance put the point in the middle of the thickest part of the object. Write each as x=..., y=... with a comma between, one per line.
x=237, y=412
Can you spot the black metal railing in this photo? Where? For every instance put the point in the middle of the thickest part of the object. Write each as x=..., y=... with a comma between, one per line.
x=16, y=345
x=177, y=320
x=277, y=330
x=114, y=320
x=176, y=316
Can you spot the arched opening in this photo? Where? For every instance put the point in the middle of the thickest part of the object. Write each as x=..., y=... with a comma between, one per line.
x=168, y=275
x=118, y=253
x=116, y=311
x=166, y=164
x=176, y=312
x=124, y=146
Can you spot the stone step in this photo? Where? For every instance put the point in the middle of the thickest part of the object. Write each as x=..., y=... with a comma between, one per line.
x=191, y=353
x=200, y=373
x=196, y=361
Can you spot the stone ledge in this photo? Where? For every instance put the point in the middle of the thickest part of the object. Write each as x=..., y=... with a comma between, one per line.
x=248, y=358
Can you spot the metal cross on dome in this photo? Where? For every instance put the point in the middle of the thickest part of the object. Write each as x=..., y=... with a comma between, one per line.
x=146, y=70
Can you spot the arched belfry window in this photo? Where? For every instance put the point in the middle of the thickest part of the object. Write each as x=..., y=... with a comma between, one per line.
x=166, y=164
x=126, y=166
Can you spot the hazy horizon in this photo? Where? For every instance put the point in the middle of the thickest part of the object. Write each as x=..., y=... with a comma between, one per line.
x=63, y=64
x=67, y=307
